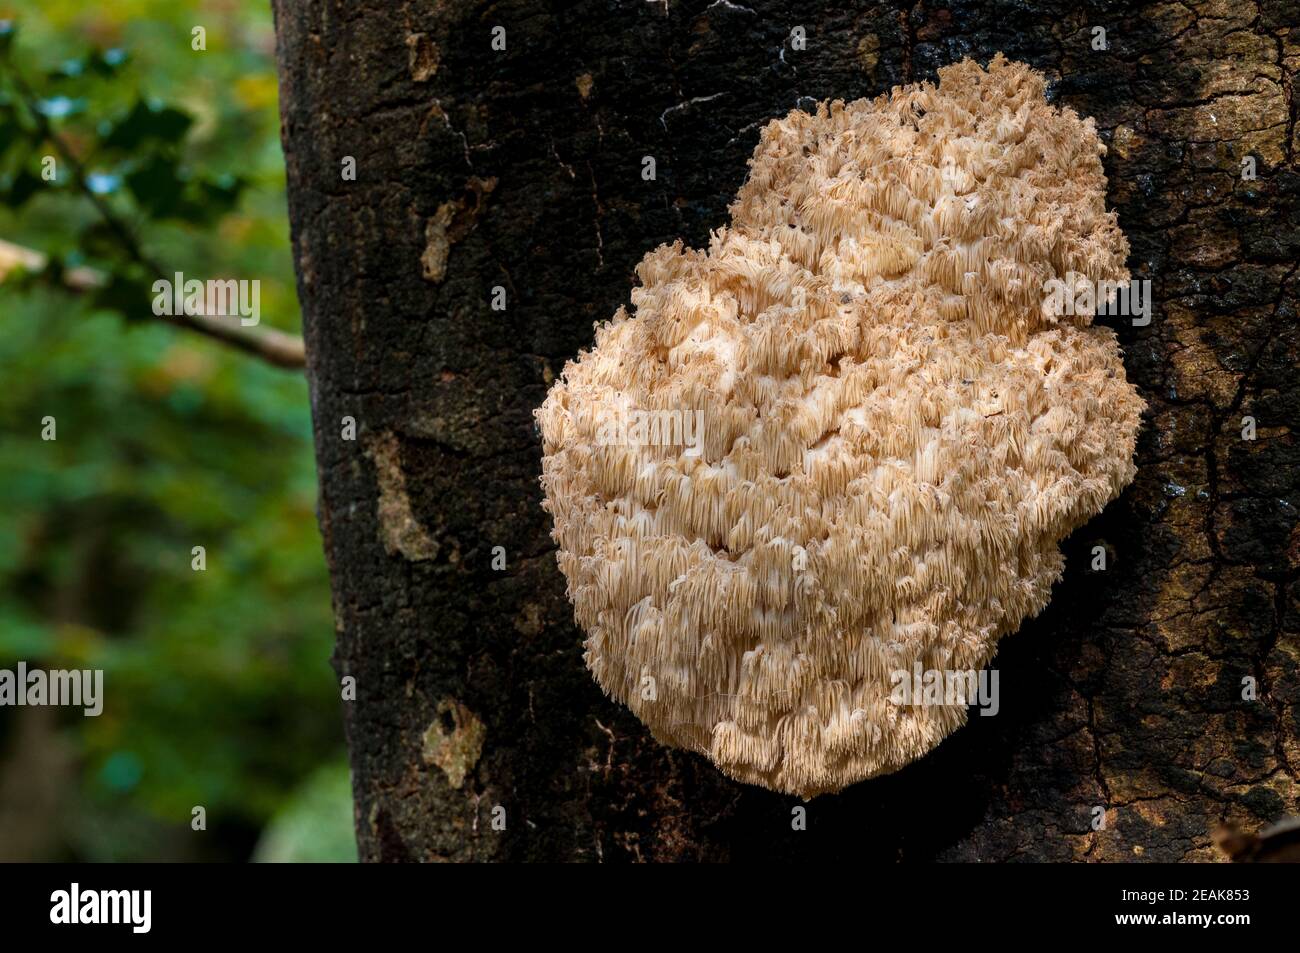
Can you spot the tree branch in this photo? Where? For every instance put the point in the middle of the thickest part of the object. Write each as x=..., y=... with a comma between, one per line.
x=275, y=347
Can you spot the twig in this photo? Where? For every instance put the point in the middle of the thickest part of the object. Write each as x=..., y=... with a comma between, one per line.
x=275, y=347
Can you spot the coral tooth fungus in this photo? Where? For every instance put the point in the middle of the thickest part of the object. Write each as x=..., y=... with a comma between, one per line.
x=895, y=432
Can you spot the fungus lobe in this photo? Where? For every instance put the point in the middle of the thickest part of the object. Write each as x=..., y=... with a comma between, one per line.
x=894, y=430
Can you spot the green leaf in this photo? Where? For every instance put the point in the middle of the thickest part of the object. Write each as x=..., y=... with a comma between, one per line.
x=98, y=240
x=146, y=121
x=211, y=199
x=315, y=825
x=23, y=187
x=9, y=134
x=129, y=296
x=157, y=186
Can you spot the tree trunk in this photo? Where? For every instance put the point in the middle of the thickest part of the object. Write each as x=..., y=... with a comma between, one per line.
x=480, y=169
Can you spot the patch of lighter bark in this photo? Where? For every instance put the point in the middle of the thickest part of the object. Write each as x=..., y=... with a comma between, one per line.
x=400, y=531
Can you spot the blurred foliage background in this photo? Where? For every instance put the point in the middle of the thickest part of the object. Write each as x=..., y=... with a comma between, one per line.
x=218, y=690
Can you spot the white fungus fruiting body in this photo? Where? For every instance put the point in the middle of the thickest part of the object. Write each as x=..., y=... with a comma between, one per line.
x=896, y=433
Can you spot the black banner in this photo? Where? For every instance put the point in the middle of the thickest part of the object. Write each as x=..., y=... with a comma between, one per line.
x=1166, y=903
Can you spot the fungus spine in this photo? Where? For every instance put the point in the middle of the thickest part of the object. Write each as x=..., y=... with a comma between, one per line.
x=896, y=433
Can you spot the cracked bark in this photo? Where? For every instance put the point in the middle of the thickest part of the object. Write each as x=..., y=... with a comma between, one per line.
x=1124, y=694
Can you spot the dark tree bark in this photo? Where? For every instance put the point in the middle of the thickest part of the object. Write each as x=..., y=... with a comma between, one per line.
x=521, y=169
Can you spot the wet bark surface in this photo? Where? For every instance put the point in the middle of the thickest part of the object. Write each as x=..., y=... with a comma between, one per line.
x=521, y=169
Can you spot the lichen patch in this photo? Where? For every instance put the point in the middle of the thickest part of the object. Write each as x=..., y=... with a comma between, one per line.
x=454, y=741
x=449, y=224
x=423, y=57
x=398, y=527
x=437, y=244
x=869, y=53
